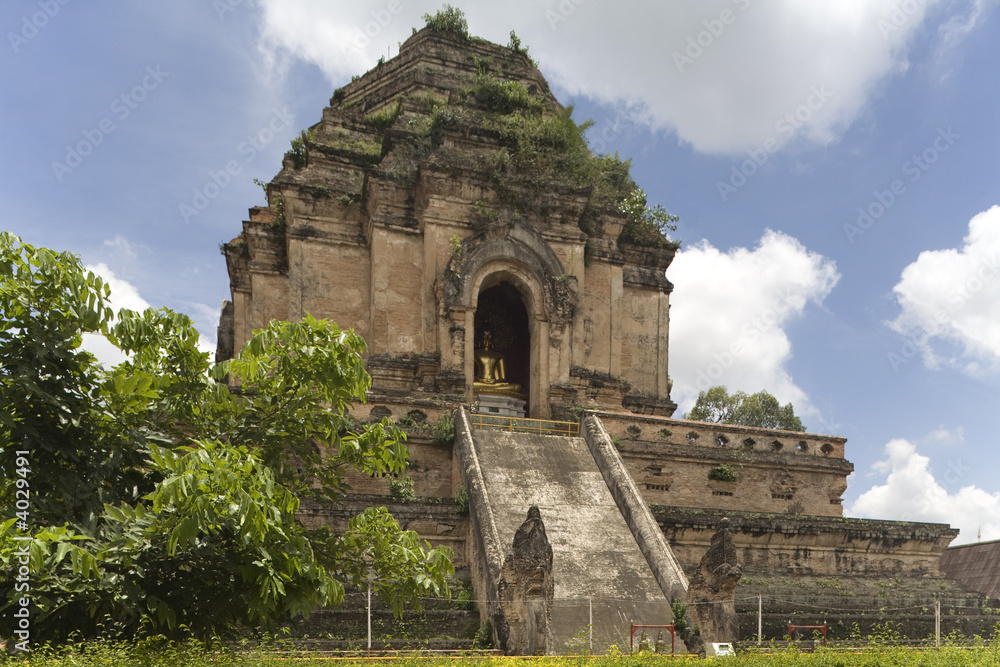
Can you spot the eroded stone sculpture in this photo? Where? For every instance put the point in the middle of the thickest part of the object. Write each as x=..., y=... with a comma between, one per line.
x=711, y=593
x=525, y=590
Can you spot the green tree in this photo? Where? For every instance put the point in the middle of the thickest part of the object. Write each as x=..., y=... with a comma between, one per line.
x=162, y=501
x=760, y=409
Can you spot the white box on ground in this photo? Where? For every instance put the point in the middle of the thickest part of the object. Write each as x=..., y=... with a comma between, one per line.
x=722, y=649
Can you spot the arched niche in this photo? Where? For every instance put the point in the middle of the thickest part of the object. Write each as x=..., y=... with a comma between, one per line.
x=525, y=261
x=516, y=283
x=502, y=314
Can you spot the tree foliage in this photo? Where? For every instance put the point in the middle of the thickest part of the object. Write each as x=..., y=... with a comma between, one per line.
x=160, y=500
x=760, y=409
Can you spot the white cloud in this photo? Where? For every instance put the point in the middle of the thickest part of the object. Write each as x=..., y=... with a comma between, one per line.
x=959, y=26
x=942, y=437
x=121, y=248
x=912, y=493
x=723, y=74
x=729, y=310
x=950, y=302
x=123, y=295
x=206, y=321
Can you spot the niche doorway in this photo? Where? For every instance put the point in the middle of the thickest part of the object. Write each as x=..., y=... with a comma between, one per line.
x=500, y=310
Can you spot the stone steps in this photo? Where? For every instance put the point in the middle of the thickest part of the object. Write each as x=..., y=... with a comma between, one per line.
x=594, y=551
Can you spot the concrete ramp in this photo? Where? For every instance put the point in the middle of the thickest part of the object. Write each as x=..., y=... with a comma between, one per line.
x=598, y=566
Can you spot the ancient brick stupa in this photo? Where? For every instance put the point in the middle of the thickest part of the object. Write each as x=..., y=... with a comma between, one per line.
x=446, y=207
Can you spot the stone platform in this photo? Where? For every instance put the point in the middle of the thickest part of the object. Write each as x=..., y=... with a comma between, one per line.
x=856, y=575
x=495, y=405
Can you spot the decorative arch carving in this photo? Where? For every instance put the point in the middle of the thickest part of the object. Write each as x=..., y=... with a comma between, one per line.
x=526, y=257
x=521, y=257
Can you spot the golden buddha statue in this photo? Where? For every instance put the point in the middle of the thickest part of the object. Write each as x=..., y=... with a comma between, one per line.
x=491, y=371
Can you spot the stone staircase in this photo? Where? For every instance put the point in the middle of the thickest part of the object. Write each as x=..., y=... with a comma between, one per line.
x=599, y=569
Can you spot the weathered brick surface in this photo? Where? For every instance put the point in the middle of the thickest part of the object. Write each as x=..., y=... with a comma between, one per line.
x=776, y=471
x=388, y=231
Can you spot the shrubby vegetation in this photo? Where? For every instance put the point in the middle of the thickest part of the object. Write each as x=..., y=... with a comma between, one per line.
x=541, y=146
x=722, y=473
x=646, y=225
x=448, y=19
x=161, y=502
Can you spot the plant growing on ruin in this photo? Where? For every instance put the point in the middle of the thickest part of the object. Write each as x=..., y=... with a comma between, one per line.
x=722, y=473
x=444, y=429
x=515, y=46
x=299, y=154
x=679, y=611
x=500, y=96
x=448, y=19
x=484, y=636
x=402, y=489
x=646, y=225
x=277, y=226
x=383, y=119
x=462, y=500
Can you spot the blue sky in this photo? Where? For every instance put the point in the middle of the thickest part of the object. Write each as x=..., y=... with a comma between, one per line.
x=834, y=166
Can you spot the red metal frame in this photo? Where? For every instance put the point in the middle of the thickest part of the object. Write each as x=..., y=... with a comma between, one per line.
x=633, y=627
x=792, y=628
